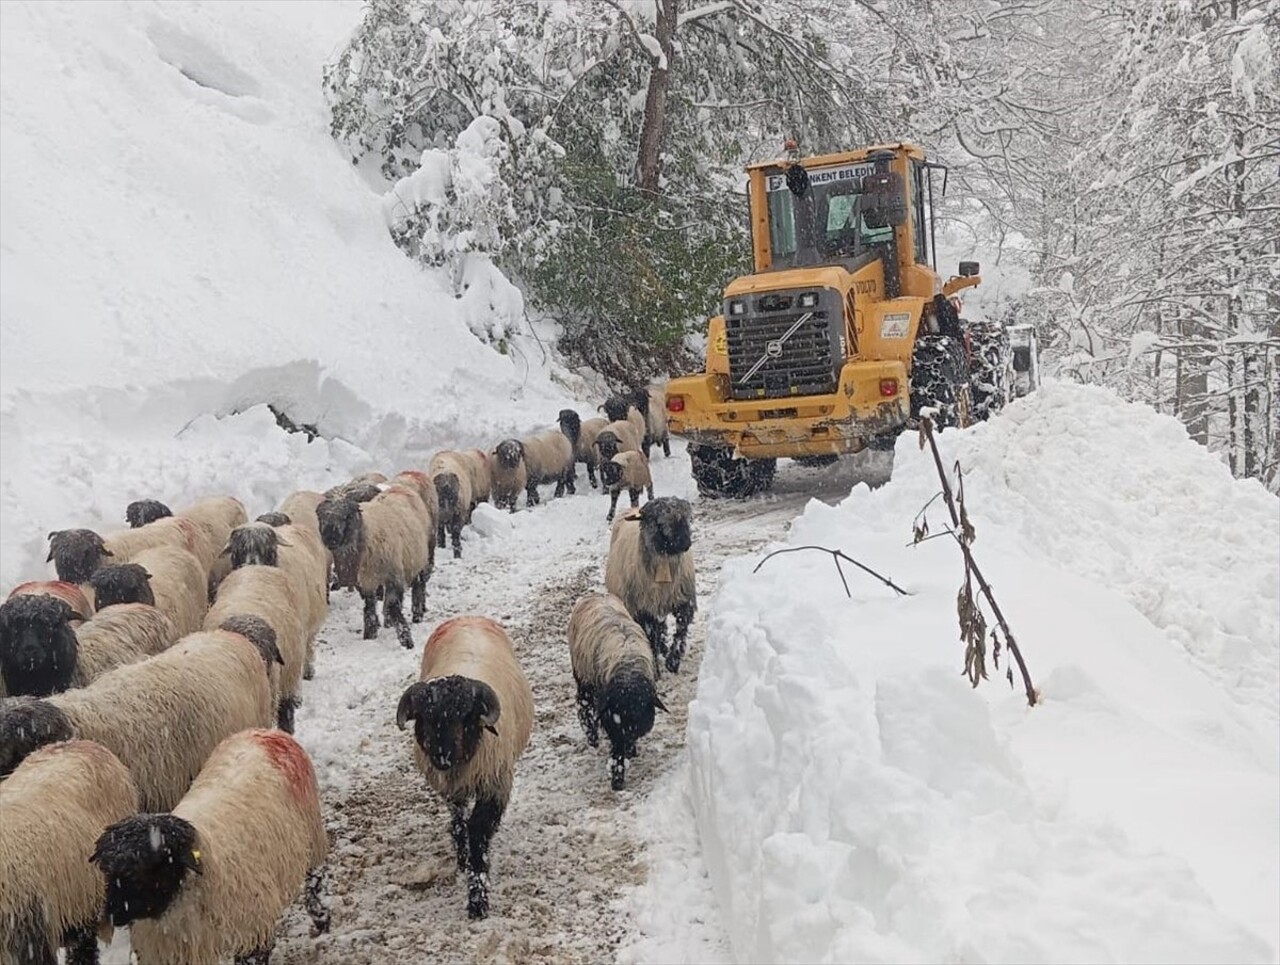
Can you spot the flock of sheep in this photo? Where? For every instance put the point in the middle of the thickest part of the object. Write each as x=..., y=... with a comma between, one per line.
x=148, y=776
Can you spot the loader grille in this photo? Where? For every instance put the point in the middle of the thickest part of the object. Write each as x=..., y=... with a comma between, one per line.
x=807, y=363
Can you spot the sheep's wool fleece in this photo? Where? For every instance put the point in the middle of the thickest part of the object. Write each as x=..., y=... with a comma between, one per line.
x=300, y=507
x=629, y=438
x=548, y=454
x=177, y=531
x=219, y=515
x=180, y=585
x=654, y=585
x=635, y=470
x=656, y=417
x=120, y=634
x=454, y=462
x=53, y=807
x=71, y=594
x=420, y=482
x=478, y=648
x=395, y=540
x=266, y=591
x=587, y=438
x=256, y=811
x=164, y=715
x=603, y=639
x=508, y=482
x=481, y=478
x=303, y=558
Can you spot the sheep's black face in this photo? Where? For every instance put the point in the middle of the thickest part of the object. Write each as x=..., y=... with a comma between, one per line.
x=258, y=632
x=37, y=645
x=615, y=407
x=607, y=443
x=143, y=511
x=145, y=859
x=450, y=716
x=627, y=706
x=339, y=522
x=121, y=583
x=571, y=425
x=447, y=492
x=611, y=472
x=27, y=724
x=362, y=492
x=509, y=453
x=254, y=544
x=666, y=525
x=76, y=553
x=274, y=519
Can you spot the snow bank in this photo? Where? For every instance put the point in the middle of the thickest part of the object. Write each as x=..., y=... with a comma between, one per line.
x=183, y=241
x=858, y=801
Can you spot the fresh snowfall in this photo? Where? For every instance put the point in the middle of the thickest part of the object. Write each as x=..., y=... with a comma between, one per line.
x=186, y=251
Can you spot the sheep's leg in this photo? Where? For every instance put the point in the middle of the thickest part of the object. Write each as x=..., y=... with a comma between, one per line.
x=259, y=956
x=684, y=617
x=591, y=475
x=571, y=479
x=617, y=767
x=455, y=530
x=82, y=946
x=393, y=615
x=613, y=503
x=441, y=539
x=531, y=497
x=458, y=828
x=316, y=909
x=635, y=497
x=650, y=492
x=645, y=447
x=370, y=615
x=666, y=448
x=587, y=713
x=284, y=713
x=656, y=631
x=485, y=818
x=309, y=668
x=418, y=589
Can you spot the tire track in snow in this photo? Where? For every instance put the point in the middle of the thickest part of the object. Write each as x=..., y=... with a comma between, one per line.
x=570, y=851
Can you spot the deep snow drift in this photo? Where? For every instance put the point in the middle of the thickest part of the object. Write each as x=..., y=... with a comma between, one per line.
x=857, y=801
x=181, y=241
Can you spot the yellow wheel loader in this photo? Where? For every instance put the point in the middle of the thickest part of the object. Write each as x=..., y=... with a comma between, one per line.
x=843, y=332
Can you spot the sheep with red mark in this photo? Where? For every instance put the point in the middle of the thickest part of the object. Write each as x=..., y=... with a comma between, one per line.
x=53, y=809
x=211, y=879
x=72, y=595
x=472, y=712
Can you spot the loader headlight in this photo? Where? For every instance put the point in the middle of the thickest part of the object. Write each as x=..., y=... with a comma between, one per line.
x=809, y=300
x=737, y=307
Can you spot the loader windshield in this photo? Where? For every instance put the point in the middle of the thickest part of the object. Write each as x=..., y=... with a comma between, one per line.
x=824, y=226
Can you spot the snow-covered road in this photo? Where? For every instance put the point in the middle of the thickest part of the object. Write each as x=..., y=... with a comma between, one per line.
x=570, y=852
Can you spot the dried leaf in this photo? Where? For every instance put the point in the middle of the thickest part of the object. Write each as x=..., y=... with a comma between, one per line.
x=922, y=438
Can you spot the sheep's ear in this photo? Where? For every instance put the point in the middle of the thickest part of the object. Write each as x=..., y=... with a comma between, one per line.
x=657, y=702
x=226, y=551
x=487, y=706
x=280, y=542
x=412, y=702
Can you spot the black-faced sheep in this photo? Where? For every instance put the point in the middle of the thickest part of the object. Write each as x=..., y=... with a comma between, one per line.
x=510, y=475
x=210, y=880
x=76, y=597
x=77, y=553
x=143, y=511
x=217, y=516
x=452, y=476
x=161, y=716
x=613, y=667
x=630, y=408
x=170, y=579
x=582, y=433
x=53, y=808
x=265, y=592
x=650, y=569
x=548, y=457
x=299, y=508
x=299, y=552
x=472, y=710
x=616, y=437
x=422, y=484
x=477, y=461
x=651, y=401
x=273, y=519
x=629, y=471
x=45, y=650
x=379, y=544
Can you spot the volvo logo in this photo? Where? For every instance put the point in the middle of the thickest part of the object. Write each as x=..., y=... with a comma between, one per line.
x=774, y=349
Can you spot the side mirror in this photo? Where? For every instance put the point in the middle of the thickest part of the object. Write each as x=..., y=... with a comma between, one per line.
x=884, y=202
x=968, y=269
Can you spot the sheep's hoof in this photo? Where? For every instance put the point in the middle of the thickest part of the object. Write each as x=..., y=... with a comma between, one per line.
x=309, y=672
x=457, y=552
x=618, y=782
x=478, y=907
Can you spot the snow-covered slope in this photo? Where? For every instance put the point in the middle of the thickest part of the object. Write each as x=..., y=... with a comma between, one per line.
x=858, y=801
x=182, y=240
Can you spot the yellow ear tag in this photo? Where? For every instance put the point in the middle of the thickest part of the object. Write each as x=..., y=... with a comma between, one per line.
x=195, y=854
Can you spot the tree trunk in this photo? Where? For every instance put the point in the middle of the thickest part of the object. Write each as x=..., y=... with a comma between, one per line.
x=649, y=160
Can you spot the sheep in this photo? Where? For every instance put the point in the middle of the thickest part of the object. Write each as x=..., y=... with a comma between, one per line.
x=361, y=492
x=614, y=670
x=168, y=578
x=651, y=401
x=582, y=434
x=481, y=475
x=45, y=650
x=452, y=476
x=142, y=511
x=161, y=716
x=77, y=553
x=470, y=683
x=629, y=471
x=630, y=409
x=53, y=809
x=510, y=475
x=300, y=507
x=616, y=437
x=650, y=569
x=250, y=828
x=76, y=597
x=218, y=516
x=266, y=592
x=422, y=484
x=380, y=544
x=298, y=551
x=548, y=457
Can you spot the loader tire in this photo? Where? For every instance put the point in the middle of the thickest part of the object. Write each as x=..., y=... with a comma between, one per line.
x=720, y=476
x=990, y=368
x=940, y=380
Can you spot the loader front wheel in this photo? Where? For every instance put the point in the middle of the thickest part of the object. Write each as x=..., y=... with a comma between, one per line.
x=940, y=380
x=720, y=476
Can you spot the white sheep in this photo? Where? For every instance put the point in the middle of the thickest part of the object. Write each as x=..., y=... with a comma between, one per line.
x=650, y=569
x=161, y=716
x=472, y=709
x=613, y=667
x=582, y=434
x=452, y=476
x=510, y=475
x=629, y=471
x=548, y=457
x=250, y=829
x=265, y=592
x=53, y=808
x=170, y=579
x=381, y=544
x=45, y=650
